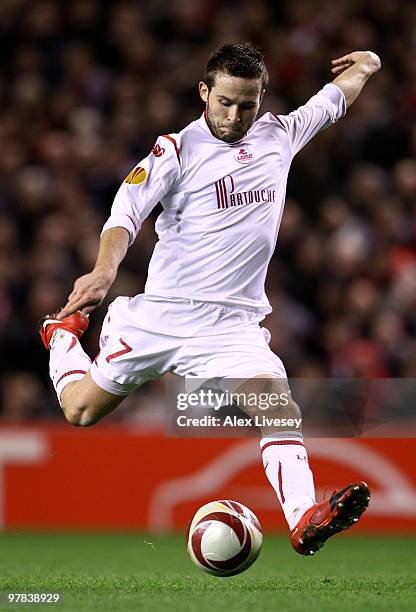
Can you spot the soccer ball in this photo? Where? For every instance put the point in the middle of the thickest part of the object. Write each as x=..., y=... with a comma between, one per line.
x=224, y=538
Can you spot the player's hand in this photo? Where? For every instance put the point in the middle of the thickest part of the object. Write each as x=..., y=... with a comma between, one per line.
x=367, y=59
x=88, y=293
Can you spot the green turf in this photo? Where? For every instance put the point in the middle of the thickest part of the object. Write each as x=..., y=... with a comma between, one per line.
x=138, y=572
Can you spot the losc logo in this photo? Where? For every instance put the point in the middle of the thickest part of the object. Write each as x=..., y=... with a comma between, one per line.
x=136, y=176
x=158, y=150
x=243, y=156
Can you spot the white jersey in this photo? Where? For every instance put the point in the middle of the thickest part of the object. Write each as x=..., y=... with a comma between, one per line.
x=222, y=203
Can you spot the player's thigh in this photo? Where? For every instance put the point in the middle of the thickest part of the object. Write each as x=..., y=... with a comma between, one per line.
x=271, y=392
x=248, y=368
x=129, y=354
x=240, y=354
x=268, y=399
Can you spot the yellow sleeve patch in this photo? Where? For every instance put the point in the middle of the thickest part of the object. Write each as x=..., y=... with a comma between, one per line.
x=136, y=176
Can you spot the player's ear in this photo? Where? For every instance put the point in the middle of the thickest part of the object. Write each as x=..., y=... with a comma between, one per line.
x=262, y=96
x=203, y=90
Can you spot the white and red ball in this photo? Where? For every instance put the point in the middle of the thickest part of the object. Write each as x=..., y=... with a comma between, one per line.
x=224, y=538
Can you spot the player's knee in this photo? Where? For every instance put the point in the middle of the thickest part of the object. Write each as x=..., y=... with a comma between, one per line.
x=80, y=415
x=76, y=407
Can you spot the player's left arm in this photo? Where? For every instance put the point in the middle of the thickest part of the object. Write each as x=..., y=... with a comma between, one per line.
x=354, y=70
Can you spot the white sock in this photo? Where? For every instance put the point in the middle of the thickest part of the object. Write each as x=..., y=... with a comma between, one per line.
x=286, y=464
x=67, y=361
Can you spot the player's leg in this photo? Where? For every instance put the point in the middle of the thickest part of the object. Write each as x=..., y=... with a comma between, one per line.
x=244, y=356
x=129, y=356
x=283, y=449
x=82, y=401
x=286, y=465
x=242, y=360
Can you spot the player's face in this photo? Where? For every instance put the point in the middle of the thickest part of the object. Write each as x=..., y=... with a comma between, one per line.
x=231, y=105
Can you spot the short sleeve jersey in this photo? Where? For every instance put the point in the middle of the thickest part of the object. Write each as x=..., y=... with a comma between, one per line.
x=222, y=203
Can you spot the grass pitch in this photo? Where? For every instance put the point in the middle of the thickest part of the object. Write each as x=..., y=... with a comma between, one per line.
x=129, y=572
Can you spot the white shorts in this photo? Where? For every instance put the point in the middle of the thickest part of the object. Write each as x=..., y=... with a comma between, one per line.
x=144, y=337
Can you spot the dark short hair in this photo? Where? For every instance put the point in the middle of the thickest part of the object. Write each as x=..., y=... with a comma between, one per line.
x=240, y=60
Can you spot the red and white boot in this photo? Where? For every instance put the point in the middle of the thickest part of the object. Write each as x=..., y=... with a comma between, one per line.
x=75, y=323
x=328, y=517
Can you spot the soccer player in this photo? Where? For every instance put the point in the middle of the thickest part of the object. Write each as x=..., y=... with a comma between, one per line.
x=222, y=183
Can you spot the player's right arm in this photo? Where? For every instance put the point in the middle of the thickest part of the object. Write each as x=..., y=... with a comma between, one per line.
x=90, y=290
x=141, y=190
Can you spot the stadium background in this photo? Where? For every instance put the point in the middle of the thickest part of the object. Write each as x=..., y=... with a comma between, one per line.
x=85, y=88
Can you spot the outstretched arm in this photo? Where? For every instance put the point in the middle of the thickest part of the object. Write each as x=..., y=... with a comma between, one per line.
x=90, y=290
x=354, y=70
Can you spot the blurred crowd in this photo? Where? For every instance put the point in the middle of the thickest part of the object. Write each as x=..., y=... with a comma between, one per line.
x=86, y=87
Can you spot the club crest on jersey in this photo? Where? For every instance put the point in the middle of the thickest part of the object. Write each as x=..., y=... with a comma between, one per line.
x=243, y=155
x=158, y=150
x=136, y=176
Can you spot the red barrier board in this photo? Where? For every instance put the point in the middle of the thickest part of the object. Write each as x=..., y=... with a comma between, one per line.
x=107, y=477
